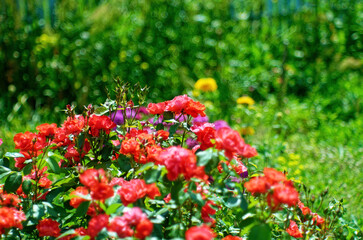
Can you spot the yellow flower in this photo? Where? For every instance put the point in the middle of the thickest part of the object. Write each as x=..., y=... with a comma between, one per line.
x=245, y=100
x=206, y=85
x=144, y=66
x=247, y=131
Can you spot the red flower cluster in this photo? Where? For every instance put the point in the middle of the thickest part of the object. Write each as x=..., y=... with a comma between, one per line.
x=98, y=183
x=279, y=189
x=178, y=160
x=135, y=189
x=199, y=233
x=48, y=227
x=142, y=146
x=293, y=230
x=179, y=105
x=10, y=217
x=98, y=123
x=8, y=200
x=318, y=220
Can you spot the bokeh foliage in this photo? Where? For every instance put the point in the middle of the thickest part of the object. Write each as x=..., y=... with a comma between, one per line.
x=55, y=52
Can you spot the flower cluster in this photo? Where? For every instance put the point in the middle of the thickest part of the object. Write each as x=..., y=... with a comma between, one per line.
x=126, y=175
x=178, y=105
x=275, y=184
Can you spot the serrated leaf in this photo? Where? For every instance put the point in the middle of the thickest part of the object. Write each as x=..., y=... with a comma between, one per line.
x=13, y=155
x=13, y=182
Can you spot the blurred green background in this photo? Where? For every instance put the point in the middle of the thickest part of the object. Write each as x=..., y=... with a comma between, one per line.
x=300, y=60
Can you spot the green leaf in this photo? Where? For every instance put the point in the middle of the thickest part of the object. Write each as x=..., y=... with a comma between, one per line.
x=13, y=182
x=26, y=186
x=4, y=170
x=113, y=208
x=260, y=232
x=69, y=232
x=80, y=140
x=144, y=168
x=152, y=176
x=13, y=155
x=27, y=169
x=173, y=129
x=53, y=164
x=82, y=209
x=101, y=110
x=208, y=159
x=123, y=163
x=197, y=198
x=175, y=189
x=160, y=126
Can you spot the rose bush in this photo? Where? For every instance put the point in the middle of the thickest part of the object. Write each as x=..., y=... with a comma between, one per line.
x=97, y=177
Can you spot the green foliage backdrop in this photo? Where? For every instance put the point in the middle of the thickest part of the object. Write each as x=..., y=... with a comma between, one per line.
x=57, y=52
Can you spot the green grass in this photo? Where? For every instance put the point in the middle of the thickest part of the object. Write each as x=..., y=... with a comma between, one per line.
x=330, y=151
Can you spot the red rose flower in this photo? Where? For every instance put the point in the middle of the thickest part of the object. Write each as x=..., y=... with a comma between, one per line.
x=162, y=134
x=74, y=125
x=29, y=141
x=91, y=177
x=130, y=146
x=97, y=123
x=96, y=224
x=274, y=176
x=47, y=129
x=48, y=227
x=257, y=185
x=178, y=104
x=101, y=191
x=194, y=109
x=283, y=194
x=249, y=152
x=205, y=133
x=76, y=201
x=121, y=227
x=156, y=108
x=230, y=141
x=199, y=233
x=144, y=228
x=178, y=160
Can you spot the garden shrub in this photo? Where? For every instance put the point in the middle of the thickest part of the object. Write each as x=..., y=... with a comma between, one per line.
x=122, y=170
